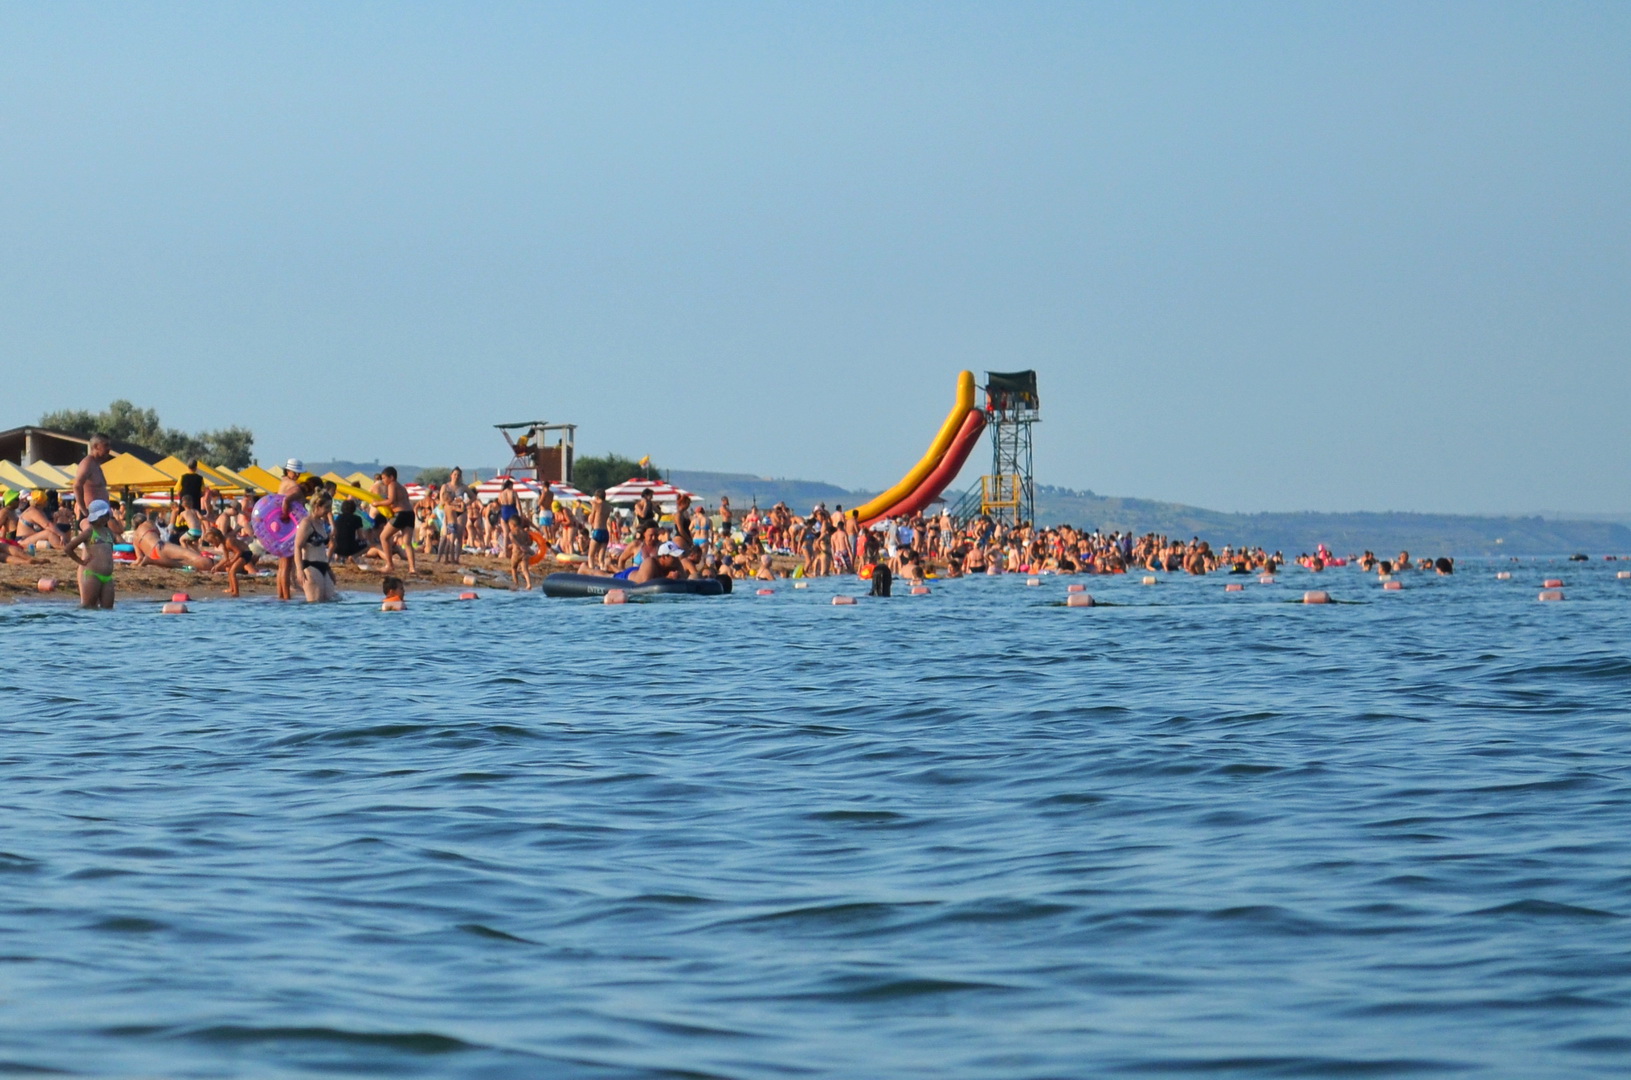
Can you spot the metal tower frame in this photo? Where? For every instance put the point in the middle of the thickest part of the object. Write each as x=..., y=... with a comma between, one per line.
x=1008, y=491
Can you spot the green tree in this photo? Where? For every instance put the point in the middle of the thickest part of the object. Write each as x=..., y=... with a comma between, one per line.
x=589, y=473
x=124, y=422
x=436, y=474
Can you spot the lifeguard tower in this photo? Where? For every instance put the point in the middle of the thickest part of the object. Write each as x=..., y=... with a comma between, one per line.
x=1007, y=493
x=534, y=456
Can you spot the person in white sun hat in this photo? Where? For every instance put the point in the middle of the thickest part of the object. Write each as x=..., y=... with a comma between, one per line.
x=96, y=567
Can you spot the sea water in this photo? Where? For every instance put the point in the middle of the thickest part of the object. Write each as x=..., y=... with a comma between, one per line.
x=974, y=834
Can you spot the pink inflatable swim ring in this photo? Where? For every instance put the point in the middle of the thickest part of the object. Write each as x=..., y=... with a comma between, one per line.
x=275, y=534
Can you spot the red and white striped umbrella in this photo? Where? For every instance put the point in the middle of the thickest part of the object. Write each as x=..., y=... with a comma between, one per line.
x=488, y=490
x=630, y=491
x=567, y=493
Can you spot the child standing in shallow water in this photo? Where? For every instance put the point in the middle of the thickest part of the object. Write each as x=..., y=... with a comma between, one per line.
x=96, y=568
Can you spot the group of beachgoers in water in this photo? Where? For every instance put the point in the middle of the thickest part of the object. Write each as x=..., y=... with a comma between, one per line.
x=208, y=531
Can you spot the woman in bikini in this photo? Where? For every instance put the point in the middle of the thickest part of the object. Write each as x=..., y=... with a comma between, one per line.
x=312, y=542
x=153, y=550
x=96, y=568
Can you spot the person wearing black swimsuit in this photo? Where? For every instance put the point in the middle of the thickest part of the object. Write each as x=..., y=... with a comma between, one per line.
x=312, y=542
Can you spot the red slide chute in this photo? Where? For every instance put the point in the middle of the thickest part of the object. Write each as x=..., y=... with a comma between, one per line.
x=943, y=474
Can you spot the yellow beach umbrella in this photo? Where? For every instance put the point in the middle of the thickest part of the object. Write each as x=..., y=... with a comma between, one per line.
x=261, y=478
x=61, y=479
x=174, y=467
x=130, y=471
x=239, y=480
x=19, y=478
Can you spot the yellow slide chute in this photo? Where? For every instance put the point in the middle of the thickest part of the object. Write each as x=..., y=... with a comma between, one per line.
x=925, y=466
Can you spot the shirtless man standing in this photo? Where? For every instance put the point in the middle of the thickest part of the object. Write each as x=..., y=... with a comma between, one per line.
x=452, y=497
x=400, y=507
x=89, y=483
x=600, y=512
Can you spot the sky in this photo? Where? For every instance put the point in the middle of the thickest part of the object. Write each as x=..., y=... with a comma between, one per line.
x=1316, y=256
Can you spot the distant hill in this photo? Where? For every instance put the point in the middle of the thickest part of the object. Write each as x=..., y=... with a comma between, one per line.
x=744, y=489
x=405, y=472
x=1293, y=532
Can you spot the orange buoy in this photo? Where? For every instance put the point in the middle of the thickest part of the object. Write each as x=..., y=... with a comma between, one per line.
x=1392, y=586
x=1075, y=588
x=179, y=598
x=1550, y=594
x=843, y=600
x=468, y=596
x=1234, y=588
x=1080, y=599
x=920, y=590
x=1552, y=583
x=393, y=605
x=615, y=596
x=174, y=608
x=1316, y=596
x=46, y=584
x=766, y=592
x=469, y=579
x=1504, y=575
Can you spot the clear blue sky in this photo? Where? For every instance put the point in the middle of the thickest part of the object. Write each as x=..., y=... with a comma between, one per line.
x=1264, y=256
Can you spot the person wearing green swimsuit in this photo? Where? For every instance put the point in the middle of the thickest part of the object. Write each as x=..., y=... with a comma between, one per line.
x=96, y=567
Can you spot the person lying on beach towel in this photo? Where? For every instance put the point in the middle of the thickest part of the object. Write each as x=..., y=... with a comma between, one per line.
x=153, y=550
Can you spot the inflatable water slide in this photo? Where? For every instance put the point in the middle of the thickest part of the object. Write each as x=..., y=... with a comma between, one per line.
x=935, y=471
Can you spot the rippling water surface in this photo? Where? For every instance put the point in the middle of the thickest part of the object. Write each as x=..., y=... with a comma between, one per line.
x=974, y=834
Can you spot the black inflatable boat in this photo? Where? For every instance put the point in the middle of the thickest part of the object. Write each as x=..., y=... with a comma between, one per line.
x=593, y=585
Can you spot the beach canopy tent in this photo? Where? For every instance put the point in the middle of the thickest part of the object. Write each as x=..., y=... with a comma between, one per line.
x=529, y=490
x=241, y=480
x=261, y=478
x=60, y=478
x=629, y=491
x=568, y=493
x=488, y=490
x=215, y=478
x=18, y=478
x=359, y=479
x=334, y=478
x=129, y=471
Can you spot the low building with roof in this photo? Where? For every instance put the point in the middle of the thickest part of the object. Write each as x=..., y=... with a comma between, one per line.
x=30, y=444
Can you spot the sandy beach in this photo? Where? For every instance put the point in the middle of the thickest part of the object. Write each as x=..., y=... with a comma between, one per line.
x=20, y=581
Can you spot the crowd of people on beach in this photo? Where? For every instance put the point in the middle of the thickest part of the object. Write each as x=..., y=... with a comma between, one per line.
x=390, y=532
